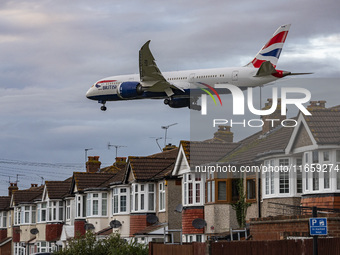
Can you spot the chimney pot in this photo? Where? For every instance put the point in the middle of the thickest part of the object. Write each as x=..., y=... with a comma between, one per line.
x=224, y=133
x=93, y=164
x=322, y=103
x=12, y=187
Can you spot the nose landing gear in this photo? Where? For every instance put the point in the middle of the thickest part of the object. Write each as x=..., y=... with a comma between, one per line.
x=103, y=107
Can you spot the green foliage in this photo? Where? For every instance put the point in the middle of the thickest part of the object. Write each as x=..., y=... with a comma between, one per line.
x=241, y=206
x=112, y=245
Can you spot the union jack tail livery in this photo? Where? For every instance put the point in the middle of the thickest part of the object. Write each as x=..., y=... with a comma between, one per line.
x=272, y=49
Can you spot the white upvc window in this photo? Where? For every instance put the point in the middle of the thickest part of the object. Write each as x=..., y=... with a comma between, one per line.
x=96, y=204
x=284, y=176
x=142, y=197
x=68, y=209
x=80, y=206
x=321, y=171
x=27, y=214
x=193, y=191
x=3, y=219
x=269, y=177
x=161, y=190
x=120, y=200
x=55, y=211
x=42, y=212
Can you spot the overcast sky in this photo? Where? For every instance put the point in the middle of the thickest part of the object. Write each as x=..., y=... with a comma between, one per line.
x=52, y=51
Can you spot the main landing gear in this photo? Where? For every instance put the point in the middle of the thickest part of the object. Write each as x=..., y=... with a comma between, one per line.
x=103, y=107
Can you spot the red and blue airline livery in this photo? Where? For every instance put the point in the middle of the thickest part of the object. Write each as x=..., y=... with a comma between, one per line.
x=182, y=88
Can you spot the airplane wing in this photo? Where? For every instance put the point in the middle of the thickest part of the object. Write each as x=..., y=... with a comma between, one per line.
x=150, y=76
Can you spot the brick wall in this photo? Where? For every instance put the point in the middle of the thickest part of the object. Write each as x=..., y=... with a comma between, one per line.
x=322, y=200
x=188, y=215
x=280, y=227
x=6, y=249
x=79, y=228
x=53, y=232
x=137, y=223
x=16, y=234
x=3, y=234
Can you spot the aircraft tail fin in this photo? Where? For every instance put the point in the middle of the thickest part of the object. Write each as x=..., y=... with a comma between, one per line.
x=272, y=49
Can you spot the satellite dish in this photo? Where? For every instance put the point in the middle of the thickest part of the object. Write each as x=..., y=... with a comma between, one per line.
x=179, y=208
x=151, y=219
x=34, y=231
x=89, y=226
x=199, y=223
x=115, y=224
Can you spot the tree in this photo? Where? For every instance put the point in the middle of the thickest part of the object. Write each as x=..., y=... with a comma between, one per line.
x=111, y=245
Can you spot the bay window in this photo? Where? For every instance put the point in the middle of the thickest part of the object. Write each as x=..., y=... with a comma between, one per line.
x=55, y=211
x=119, y=200
x=25, y=214
x=143, y=196
x=192, y=189
x=284, y=176
x=96, y=204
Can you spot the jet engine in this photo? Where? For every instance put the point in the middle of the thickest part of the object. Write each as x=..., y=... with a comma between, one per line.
x=177, y=102
x=182, y=102
x=129, y=90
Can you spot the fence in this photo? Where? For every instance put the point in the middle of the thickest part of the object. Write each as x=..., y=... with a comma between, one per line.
x=326, y=246
x=176, y=249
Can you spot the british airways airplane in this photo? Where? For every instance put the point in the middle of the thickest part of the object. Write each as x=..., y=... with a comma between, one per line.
x=183, y=88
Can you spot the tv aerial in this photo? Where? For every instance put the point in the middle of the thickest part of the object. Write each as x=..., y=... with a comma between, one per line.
x=166, y=131
x=158, y=138
x=116, y=146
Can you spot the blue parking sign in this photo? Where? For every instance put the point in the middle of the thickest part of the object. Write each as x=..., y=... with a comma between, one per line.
x=318, y=226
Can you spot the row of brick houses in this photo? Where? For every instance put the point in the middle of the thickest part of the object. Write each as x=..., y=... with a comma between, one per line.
x=176, y=194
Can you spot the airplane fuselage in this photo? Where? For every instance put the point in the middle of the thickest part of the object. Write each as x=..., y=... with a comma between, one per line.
x=189, y=81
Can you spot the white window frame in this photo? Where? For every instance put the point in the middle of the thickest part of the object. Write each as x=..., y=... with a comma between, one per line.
x=101, y=200
x=3, y=219
x=55, y=211
x=80, y=202
x=68, y=205
x=193, y=180
x=119, y=196
x=143, y=197
x=161, y=195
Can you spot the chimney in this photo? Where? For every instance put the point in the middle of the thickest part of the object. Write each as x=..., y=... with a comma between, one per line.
x=273, y=120
x=12, y=187
x=33, y=185
x=223, y=133
x=120, y=160
x=169, y=147
x=93, y=164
